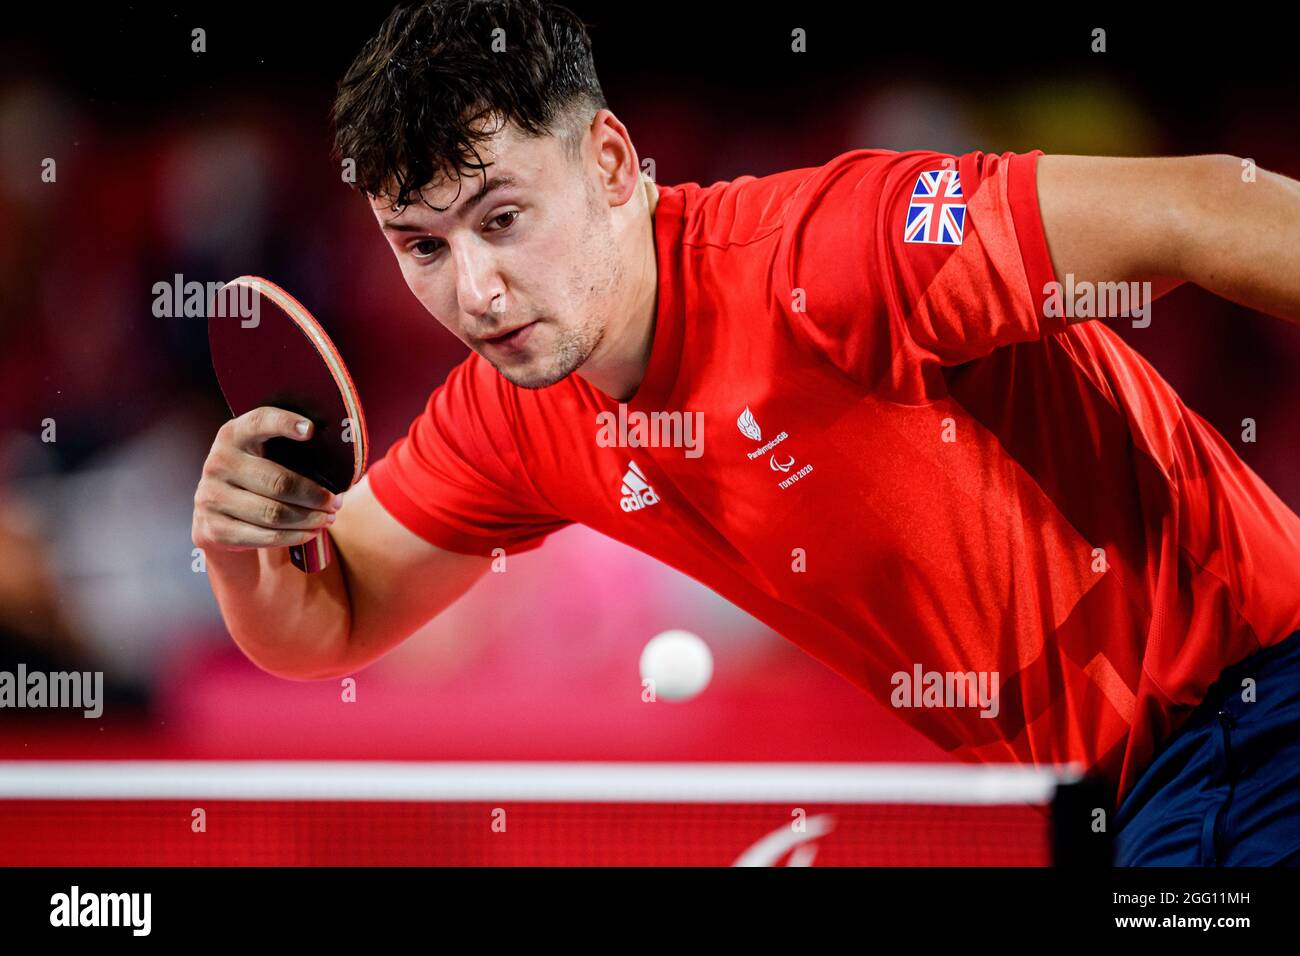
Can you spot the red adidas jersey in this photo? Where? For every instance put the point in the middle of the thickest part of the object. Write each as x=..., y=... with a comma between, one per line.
x=900, y=464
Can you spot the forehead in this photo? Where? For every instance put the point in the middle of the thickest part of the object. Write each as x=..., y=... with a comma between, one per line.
x=506, y=153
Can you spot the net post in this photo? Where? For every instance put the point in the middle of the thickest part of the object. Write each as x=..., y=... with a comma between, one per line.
x=1082, y=817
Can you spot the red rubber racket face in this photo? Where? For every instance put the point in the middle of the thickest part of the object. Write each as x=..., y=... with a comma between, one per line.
x=269, y=350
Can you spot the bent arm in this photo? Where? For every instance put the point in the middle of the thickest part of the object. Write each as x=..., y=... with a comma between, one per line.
x=396, y=581
x=384, y=584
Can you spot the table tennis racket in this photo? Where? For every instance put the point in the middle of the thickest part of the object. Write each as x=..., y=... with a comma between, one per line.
x=267, y=349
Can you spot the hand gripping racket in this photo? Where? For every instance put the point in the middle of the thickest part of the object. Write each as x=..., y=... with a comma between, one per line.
x=267, y=349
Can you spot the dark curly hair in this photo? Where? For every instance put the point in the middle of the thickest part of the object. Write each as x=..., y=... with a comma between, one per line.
x=410, y=106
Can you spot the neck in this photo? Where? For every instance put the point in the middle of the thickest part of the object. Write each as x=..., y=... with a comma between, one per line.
x=624, y=351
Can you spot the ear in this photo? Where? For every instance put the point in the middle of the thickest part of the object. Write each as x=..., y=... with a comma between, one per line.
x=616, y=160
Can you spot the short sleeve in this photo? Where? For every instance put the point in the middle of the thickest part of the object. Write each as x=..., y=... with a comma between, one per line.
x=456, y=479
x=889, y=258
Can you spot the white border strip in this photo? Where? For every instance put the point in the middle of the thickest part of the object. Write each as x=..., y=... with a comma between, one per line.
x=544, y=782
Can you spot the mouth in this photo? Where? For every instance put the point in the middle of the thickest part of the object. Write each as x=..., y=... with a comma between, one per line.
x=511, y=338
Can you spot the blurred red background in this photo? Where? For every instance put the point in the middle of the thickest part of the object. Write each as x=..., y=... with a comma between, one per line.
x=217, y=164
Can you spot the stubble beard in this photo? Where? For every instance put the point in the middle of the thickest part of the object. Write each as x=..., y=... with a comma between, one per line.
x=575, y=344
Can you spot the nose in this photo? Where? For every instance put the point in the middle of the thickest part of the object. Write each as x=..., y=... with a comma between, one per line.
x=478, y=282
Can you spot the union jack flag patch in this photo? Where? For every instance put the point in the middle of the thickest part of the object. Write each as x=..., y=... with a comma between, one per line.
x=937, y=213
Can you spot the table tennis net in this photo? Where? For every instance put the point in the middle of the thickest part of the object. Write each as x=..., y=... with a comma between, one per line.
x=263, y=813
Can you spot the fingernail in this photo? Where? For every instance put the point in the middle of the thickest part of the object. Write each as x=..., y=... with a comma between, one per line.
x=329, y=519
x=336, y=502
x=302, y=426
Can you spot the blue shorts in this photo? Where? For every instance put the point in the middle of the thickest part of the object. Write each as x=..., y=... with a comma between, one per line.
x=1225, y=789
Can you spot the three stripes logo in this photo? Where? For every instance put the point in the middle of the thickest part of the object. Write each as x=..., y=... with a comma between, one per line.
x=637, y=493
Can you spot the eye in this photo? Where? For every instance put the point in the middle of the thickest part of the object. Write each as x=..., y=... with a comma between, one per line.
x=424, y=248
x=503, y=220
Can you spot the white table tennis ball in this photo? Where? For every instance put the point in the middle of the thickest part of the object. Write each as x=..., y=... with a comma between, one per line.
x=678, y=662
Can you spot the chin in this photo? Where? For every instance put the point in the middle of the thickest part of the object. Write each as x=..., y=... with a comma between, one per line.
x=534, y=375
x=566, y=353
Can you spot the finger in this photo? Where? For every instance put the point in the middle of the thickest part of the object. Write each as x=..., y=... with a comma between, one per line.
x=269, y=480
x=263, y=512
x=240, y=535
x=254, y=427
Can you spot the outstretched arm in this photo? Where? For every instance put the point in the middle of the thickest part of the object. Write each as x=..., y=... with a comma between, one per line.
x=1196, y=219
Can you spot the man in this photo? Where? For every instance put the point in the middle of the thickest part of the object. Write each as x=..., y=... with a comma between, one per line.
x=917, y=457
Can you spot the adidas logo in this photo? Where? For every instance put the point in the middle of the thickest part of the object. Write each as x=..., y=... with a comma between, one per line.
x=637, y=493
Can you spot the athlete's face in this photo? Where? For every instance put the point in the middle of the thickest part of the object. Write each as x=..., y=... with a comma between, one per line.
x=522, y=266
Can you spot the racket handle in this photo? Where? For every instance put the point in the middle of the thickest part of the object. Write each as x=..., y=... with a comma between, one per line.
x=313, y=556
